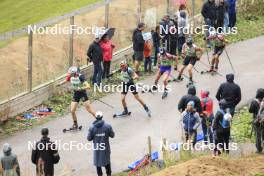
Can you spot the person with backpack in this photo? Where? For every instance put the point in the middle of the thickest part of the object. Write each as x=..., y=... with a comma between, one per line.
x=257, y=109
x=9, y=163
x=191, y=54
x=128, y=85
x=191, y=122
x=221, y=128
x=95, y=55
x=191, y=96
x=207, y=115
x=45, y=155
x=230, y=92
x=219, y=43
x=99, y=133
x=165, y=61
x=138, y=45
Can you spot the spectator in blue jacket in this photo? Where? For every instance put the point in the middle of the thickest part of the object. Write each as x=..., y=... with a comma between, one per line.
x=99, y=133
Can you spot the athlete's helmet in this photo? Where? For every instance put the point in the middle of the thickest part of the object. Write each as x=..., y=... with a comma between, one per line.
x=123, y=64
x=99, y=115
x=189, y=41
x=73, y=70
x=162, y=51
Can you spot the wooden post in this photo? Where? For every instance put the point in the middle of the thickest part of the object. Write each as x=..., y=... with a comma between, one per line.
x=139, y=11
x=168, y=6
x=164, y=153
x=30, y=43
x=107, y=14
x=71, y=36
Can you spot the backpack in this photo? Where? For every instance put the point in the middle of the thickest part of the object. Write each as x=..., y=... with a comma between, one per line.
x=259, y=120
x=225, y=123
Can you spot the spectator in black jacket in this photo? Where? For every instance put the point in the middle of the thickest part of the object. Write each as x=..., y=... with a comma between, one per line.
x=99, y=133
x=220, y=15
x=95, y=54
x=45, y=155
x=156, y=43
x=209, y=14
x=231, y=92
x=138, y=45
x=254, y=109
x=191, y=96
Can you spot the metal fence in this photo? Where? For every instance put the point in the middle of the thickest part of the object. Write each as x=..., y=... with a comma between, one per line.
x=33, y=60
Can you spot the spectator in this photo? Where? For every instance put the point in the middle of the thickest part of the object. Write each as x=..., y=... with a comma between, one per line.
x=255, y=110
x=226, y=18
x=220, y=15
x=221, y=128
x=182, y=24
x=107, y=48
x=99, y=133
x=191, y=96
x=9, y=164
x=173, y=35
x=45, y=155
x=96, y=56
x=147, y=56
x=232, y=12
x=164, y=26
x=138, y=45
x=209, y=14
x=156, y=43
x=230, y=92
x=191, y=121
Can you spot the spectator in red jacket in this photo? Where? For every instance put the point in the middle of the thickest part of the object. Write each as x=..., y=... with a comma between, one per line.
x=107, y=49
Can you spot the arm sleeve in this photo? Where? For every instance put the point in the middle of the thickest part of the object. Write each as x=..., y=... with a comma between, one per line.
x=89, y=52
x=181, y=107
x=34, y=156
x=111, y=132
x=90, y=136
x=218, y=94
x=198, y=121
x=253, y=108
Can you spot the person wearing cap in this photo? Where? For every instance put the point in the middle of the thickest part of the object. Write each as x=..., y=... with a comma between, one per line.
x=138, y=45
x=191, y=121
x=99, y=133
x=95, y=55
x=45, y=155
x=231, y=92
x=9, y=163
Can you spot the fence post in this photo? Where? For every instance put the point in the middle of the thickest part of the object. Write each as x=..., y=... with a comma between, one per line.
x=139, y=11
x=71, y=35
x=107, y=13
x=30, y=43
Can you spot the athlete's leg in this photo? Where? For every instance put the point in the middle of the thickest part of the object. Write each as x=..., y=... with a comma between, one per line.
x=74, y=106
x=157, y=77
x=189, y=68
x=88, y=107
x=123, y=100
x=181, y=71
x=213, y=62
x=165, y=79
x=216, y=61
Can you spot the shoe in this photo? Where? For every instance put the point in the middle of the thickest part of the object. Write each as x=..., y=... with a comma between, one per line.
x=154, y=87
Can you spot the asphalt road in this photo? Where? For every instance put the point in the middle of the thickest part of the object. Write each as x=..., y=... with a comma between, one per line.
x=130, y=142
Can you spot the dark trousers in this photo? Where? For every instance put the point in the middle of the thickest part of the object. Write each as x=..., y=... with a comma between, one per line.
x=222, y=140
x=232, y=20
x=207, y=131
x=98, y=72
x=191, y=136
x=259, y=137
x=173, y=47
x=156, y=50
x=147, y=64
x=107, y=169
x=181, y=41
x=106, y=72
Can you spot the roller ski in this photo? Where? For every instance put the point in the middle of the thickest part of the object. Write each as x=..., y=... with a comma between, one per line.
x=165, y=94
x=212, y=72
x=75, y=127
x=122, y=114
x=175, y=80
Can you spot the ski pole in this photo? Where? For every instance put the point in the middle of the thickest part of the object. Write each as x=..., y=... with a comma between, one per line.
x=207, y=53
x=230, y=61
x=105, y=103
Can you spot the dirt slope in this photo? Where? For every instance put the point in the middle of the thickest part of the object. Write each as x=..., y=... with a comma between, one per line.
x=212, y=166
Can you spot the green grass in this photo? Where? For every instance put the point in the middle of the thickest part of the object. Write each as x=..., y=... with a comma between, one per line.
x=242, y=126
x=15, y=14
